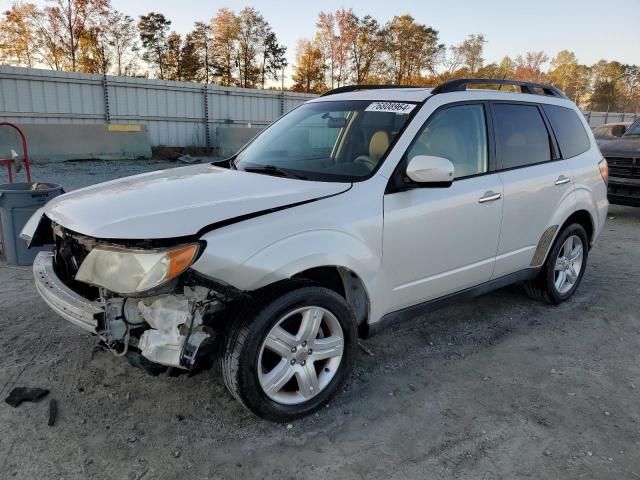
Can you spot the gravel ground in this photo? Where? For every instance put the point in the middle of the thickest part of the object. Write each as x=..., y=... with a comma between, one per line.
x=500, y=387
x=73, y=175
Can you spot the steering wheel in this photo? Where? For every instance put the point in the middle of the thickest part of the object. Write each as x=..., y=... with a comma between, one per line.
x=363, y=159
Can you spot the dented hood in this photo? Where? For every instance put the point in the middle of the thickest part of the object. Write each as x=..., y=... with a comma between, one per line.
x=178, y=202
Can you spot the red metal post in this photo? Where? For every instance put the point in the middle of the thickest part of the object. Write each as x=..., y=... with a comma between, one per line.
x=25, y=155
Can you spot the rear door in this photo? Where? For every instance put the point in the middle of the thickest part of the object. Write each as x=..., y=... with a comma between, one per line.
x=536, y=181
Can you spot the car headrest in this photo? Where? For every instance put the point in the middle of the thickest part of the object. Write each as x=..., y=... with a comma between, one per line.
x=378, y=144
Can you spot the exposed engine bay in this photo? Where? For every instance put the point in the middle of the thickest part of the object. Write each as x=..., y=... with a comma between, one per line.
x=170, y=325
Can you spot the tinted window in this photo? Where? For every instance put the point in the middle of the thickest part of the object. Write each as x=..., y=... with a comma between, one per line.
x=521, y=135
x=570, y=133
x=633, y=130
x=458, y=134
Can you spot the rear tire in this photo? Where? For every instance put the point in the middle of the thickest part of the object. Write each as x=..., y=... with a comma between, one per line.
x=564, y=268
x=287, y=356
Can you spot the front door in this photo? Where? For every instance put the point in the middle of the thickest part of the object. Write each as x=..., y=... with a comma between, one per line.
x=442, y=240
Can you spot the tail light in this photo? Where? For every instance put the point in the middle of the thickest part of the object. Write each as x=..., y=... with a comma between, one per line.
x=604, y=170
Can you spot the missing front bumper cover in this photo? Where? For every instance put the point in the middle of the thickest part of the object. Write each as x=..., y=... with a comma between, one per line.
x=177, y=330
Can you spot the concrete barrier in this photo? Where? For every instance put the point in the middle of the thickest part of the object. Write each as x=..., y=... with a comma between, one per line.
x=56, y=143
x=232, y=139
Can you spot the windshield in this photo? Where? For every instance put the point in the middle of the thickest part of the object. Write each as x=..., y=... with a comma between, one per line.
x=633, y=130
x=341, y=141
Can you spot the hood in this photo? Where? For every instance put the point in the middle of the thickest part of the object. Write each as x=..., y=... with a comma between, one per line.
x=624, y=146
x=178, y=202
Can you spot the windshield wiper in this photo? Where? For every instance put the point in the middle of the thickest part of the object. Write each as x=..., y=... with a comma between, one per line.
x=273, y=170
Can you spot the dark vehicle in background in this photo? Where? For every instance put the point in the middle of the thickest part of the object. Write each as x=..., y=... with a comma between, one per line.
x=610, y=131
x=623, y=157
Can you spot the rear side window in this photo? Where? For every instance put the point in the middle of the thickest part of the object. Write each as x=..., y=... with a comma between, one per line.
x=521, y=135
x=570, y=133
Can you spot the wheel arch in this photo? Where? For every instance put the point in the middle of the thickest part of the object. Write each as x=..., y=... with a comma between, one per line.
x=583, y=218
x=344, y=282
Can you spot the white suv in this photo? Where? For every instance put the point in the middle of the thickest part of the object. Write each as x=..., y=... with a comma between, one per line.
x=362, y=207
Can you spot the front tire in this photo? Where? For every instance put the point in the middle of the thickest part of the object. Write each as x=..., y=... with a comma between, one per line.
x=564, y=268
x=287, y=357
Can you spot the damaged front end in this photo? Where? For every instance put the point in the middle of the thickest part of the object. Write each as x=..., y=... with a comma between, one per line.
x=169, y=329
x=134, y=295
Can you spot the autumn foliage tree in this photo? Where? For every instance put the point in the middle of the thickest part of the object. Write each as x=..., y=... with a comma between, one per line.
x=308, y=73
x=80, y=22
x=240, y=48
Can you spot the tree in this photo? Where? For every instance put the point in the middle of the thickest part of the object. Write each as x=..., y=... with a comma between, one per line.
x=153, y=29
x=308, y=75
x=225, y=28
x=252, y=32
x=121, y=37
x=326, y=43
x=529, y=67
x=190, y=61
x=173, y=68
x=631, y=87
x=607, y=86
x=347, y=24
x=568, y=75
x=563, y=69
x=366, y=49
x=507, y=68
x=48, y=30
x=469, y=52
x=452, y=61
x=18, y=35
x=79, y=22
x=201, y=39
x=91, y=55
x=412, y=48
x=273, y=58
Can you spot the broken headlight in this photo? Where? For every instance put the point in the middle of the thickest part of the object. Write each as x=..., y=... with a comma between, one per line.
x=127, y=271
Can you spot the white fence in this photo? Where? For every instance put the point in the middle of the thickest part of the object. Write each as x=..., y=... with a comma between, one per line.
x=596, y=119
x=177, y=114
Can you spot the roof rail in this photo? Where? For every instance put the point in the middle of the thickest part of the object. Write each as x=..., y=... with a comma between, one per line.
x=460, y=85
x=353, y=88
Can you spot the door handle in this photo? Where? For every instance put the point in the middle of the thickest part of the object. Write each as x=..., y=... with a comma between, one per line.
x=490, y=197
x=562, y=180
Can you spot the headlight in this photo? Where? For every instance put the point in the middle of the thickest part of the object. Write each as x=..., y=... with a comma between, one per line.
x=129, y=271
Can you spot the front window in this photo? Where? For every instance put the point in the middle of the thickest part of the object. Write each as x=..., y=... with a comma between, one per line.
x=633, y=130
x=341, y=141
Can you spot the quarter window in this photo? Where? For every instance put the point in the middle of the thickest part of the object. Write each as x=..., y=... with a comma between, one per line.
x=570, y=133
x=458, y=134
x=521, y=135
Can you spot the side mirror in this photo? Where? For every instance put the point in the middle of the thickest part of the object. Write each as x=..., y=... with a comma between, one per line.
x=618, y=130
x=431, y=171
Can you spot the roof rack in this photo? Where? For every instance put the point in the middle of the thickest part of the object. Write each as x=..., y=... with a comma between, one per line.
x=460, y=85
x=353, y=88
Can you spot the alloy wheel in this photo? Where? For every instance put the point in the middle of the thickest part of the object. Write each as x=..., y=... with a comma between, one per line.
x=300, y=355
x=568, y=264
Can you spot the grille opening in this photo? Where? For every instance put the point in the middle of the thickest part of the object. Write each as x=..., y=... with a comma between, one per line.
x=69, y=255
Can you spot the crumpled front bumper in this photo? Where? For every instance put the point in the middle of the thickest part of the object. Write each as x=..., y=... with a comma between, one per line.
x=83, y=313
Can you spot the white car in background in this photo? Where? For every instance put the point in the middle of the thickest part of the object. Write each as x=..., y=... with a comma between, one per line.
x=362, y=207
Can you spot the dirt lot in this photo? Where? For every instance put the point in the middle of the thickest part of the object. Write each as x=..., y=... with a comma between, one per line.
x=498, y=388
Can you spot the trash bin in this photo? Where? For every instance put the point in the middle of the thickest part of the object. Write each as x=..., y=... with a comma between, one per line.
x=18, y=201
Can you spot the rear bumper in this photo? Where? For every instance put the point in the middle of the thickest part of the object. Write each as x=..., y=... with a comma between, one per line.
x=65, y=302
x=624, y=191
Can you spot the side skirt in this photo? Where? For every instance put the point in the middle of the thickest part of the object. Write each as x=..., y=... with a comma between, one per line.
x=414, y=311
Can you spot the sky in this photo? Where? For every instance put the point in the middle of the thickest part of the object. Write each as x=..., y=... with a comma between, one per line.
x=592, y=29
